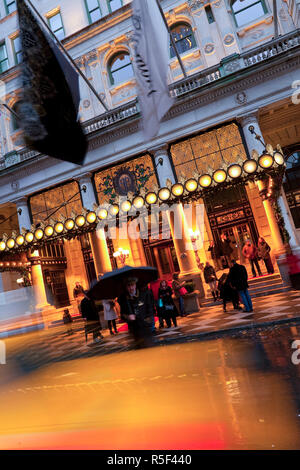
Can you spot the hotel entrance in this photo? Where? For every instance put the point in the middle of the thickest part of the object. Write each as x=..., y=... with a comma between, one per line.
x=162, y=255
x=238, y=235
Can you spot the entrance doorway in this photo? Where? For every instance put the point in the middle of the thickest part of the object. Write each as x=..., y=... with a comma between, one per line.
x=162, y=255
x=238, y=235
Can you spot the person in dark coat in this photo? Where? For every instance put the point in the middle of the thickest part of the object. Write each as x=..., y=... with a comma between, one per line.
x=210, y=278
x=228, y=293
x=89, y=311
x=167, y=308
x=215, y=253
x=239, y=279
x=226, y=248
x=137, y=309
x=263, y=252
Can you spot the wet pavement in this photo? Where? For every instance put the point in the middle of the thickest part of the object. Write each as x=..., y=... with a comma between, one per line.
x=236, y=392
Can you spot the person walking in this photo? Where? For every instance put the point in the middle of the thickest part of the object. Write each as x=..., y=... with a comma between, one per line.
x=228, y=293
x=110, y=315
x=179, y=291
x=238, y=277
x=226, y=249
x=210, y=278
x=263, y=252
x=250, y=253
x=137, y=309
x=215, y=254
x=168, y=308
x=90, y=313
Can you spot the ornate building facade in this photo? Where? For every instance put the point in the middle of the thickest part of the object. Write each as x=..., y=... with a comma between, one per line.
x=240, y=73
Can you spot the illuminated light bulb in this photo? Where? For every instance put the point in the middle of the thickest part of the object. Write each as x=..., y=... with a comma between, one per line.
x=39, y=233
x=49, y=230
x=250, y=166
x=151, y=198
x=91, y=217
x=234, y=171
x=10, y=243
x=177, y=189
x=29, y=237
x=102, y=214
x=164, y=194
x=125, y=206
x=80, y=220
x=266, y=161
x=219, y=176
x=69, y=224
x=205, y=181
x=59, y=227
x=20, y=240
x=2, y=246
x=279, y=158
x=138, y=202
x=114, y=209
x=191, y=185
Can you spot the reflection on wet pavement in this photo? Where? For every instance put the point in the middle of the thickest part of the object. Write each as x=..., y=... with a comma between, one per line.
x=230, y=393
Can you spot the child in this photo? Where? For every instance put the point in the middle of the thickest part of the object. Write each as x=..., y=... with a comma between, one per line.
x=67, y=319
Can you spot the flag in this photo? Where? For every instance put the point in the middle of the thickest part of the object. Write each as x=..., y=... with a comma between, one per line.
x=50, y=94
x=151, y=56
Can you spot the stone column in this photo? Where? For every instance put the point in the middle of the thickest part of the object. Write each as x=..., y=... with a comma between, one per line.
x=224, y=25
x=288, y=220
x=23, y=213
x=251, y=119
x=97, y=238
x=39, y=288
x=164, y=171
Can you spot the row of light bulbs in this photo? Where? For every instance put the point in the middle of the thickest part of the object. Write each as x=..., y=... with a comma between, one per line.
x=234, y=171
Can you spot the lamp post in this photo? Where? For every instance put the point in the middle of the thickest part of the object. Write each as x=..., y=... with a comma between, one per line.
x=195, y=236
x=121, y=255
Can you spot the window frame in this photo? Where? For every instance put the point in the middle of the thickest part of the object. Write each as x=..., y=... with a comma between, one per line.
x=17, y=62
x=255, y=2
x=3, y=43
x=62, y=24
x=194, y=42
x=89, y=11
x=109, y=7
x=7, y=3
x=109, y=65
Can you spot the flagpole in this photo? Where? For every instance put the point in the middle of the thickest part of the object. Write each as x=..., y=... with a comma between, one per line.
x=68, y=55
x=172, y=39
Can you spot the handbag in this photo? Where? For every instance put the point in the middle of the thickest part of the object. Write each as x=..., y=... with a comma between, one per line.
x=182, y=291
x=160, y=303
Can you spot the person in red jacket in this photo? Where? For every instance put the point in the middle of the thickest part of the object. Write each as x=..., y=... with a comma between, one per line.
x=250, y=253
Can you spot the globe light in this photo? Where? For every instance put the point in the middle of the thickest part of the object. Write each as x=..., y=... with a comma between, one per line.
x=279, y=158
x=58, y=227
x=113, y=210
x=205, y=181
x=91, y=217
x=80, y=220
x=250, y=166
x=29, y=237
x=102, y=213
x=2, y=246
x=177, y=189
x=151, y=198
x=138, y=202
x=49, y=231
x=164, y=194
x=219, y=176
x=10, y=243
x=234, y=171
x=191, y=185
x=266, y=161
x=126, y=206
x=20, y=240
x=69, y=224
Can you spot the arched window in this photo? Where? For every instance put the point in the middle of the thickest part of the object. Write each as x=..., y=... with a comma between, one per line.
x=184, y=38
x=120, y=68
x=246, y=11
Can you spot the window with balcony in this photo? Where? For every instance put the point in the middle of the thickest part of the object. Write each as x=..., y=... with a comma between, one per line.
x=10, y=6
x=120, y=68
x=93, y=10
x=113, y=5
x=184, y=38
x=17, y=49
x=3, y=58
x=56, y=25
x=247, y=11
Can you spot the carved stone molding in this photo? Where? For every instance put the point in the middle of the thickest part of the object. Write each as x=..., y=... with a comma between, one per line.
x=249, y=118
x=241, y=97
x=158, y=150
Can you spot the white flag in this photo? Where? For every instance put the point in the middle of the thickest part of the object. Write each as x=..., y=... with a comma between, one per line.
x=151, y=57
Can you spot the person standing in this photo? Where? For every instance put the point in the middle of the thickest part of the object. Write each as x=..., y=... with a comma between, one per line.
x=210, y=278
x=263, y=252
x=238, y=278
x=228, y=293
x=250, y=253
x=226, y=248
x=179, y=291
x=137, y=309
x=78, y=294
x=110, y=315
x=215, y=254
x=90, y=313
x=168, y=308
x=68, y=320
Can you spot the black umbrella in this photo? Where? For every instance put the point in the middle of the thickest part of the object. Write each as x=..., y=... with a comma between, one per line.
x=111, y=285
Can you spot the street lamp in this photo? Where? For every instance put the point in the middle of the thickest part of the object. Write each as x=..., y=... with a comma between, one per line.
x=121, y=255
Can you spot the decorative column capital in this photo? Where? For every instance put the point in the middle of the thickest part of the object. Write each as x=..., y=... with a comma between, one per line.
x=21, y=201
x=84, y=178
x=249, y=118
x=158, y=150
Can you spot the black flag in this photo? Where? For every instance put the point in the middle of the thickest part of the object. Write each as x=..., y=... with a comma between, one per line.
x=50, y=97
